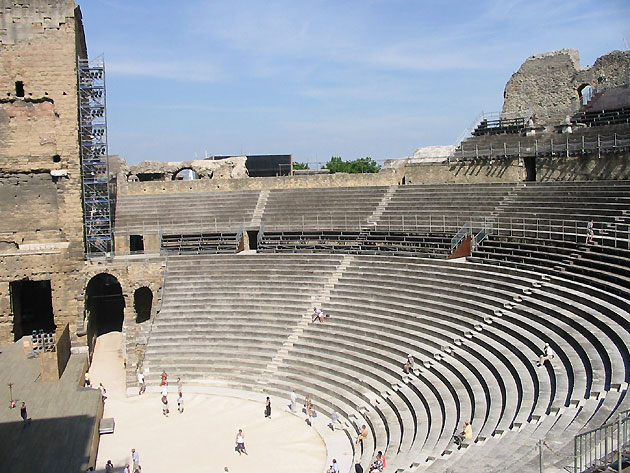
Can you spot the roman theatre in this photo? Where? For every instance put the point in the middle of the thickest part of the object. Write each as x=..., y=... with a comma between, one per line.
x=470, y=258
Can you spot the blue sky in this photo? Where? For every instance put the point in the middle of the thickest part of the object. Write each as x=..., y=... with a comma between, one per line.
x=317, y=79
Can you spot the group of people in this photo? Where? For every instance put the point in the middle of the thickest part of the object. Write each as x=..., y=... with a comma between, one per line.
x=135, y=459
x=376, y=466
x=164, y=390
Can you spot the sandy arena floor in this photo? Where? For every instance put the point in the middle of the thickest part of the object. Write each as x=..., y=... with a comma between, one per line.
x=202, y=438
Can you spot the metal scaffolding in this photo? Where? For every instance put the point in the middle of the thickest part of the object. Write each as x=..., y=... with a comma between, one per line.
x=97, y=202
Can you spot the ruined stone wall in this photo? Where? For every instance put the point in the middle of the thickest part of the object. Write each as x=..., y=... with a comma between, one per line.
x=132, y=275
x=41, y=230
x=384, y=178
x=549, y=82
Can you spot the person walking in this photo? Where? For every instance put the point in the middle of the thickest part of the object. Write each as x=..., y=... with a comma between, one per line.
x=590, y=232
x=109, y=467
x=268, y=408
x=23, y=413
x=142, y=387
x=103, y=391
x=180, y=403
x=240, y=442
x=135, y=459
x=165, y=410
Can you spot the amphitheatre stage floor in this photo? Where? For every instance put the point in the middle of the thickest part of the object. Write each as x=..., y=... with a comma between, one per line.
x=202, y=438
x=64, y=415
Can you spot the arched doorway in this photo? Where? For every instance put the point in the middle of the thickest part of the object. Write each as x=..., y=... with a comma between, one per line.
x=585, y=92
x=104, y=306
x=142, y=303
x=185, y=174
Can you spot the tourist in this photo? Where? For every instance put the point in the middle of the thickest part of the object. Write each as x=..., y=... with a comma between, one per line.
x=126, y=468
x=180, y=403
x=136, y=459
x=268, y=408
x=317, y=315
x=165, y=410
x=362, y=435
x=377, y=465
x=293, y=401
x=103, y=391
x=164, y=377
x=307, y=401
x=23, y=412
x=590, y=232
x=408, y=366
x=334, y=468
x=142, y=387
x=109, y=467
x=87, y=383
x=334, y=419
x=548, y=354
x=310, y=413
x=240, y=442
x=465, y=434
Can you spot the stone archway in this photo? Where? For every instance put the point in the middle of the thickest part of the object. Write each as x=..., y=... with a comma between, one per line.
x=142, y=303
x=185, y=174
x=104, y=306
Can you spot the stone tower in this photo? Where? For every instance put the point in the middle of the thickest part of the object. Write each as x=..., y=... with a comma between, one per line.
x=41, y=221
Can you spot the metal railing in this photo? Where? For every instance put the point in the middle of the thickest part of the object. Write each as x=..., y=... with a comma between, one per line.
x=566, y=146
x=484, y=233
x=461, y=234
x=603, y=447
x=492, y=116
x=611, y=234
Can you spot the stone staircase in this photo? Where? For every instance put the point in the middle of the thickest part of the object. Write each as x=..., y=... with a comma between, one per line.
x=260, y=209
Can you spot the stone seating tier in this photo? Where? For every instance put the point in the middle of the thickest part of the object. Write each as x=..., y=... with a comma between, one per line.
x=475, y=330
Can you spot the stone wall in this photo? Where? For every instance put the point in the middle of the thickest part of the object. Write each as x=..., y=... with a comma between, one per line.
x=132, y=275
x=584, y=168
x=41, y=225
x=549, y=82
x=384, y=178
x=464, y=172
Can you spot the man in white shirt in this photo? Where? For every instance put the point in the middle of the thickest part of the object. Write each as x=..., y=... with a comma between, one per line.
x=141, y=385
x=548, y=354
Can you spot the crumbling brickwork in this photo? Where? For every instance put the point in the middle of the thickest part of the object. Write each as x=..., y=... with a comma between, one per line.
x=41, y=229
x=549, y=83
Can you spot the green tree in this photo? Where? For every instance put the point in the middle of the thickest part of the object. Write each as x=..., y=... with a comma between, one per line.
x=336, y=164
x=297, y=165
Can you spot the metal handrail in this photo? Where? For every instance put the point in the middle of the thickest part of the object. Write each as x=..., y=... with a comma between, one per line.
x=603, y=445
x=560, y=147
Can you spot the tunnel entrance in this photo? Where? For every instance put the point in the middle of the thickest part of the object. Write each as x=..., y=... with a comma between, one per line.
x=530, y=168
x=142, y=303
x=252, y=235
x=31, y=305
x=104, y=306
